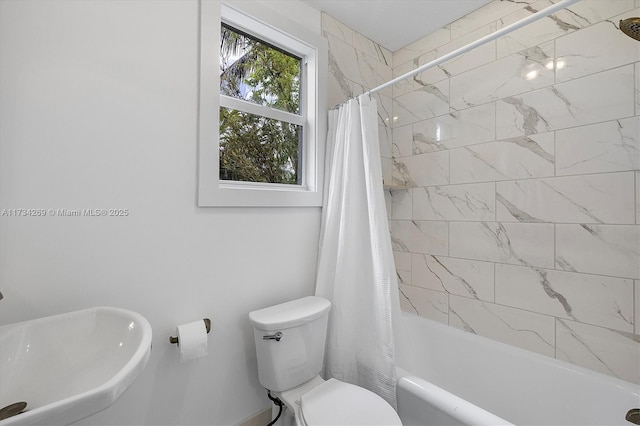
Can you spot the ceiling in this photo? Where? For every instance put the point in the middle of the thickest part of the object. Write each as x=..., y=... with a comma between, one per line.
x=396, y=23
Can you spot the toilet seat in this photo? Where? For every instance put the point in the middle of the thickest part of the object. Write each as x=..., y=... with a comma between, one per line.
x=338, y=403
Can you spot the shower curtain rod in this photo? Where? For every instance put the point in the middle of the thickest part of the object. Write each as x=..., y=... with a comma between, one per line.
x=521, y=23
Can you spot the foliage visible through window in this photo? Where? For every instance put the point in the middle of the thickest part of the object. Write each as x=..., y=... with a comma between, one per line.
x=260, y=123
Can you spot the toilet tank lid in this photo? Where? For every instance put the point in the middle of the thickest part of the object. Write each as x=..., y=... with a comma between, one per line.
x=290, y=314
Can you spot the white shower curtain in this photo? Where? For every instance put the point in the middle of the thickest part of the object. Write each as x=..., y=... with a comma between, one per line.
x=355, y=265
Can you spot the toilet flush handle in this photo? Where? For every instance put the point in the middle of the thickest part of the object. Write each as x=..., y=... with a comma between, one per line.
x=275, y=337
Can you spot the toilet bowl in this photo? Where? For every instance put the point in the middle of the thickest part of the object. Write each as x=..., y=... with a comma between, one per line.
x=290, y=340
x=337, y=403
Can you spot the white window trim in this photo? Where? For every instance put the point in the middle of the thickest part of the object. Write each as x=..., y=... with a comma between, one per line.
x=272, y=27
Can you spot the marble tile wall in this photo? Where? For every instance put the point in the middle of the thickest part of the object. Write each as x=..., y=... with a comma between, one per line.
x=513, y=176
x=515, y=182
x=357, y=64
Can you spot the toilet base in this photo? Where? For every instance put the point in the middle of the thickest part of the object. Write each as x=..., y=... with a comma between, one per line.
x=291, y=400
x=286, y=418
x=333, y=402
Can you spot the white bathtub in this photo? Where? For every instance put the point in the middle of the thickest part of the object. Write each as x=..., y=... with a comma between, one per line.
x=451, y=377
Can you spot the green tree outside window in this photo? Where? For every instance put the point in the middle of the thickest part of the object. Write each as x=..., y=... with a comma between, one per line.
x=255, y=148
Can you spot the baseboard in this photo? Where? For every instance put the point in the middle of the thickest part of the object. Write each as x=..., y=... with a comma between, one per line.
x=262, y=418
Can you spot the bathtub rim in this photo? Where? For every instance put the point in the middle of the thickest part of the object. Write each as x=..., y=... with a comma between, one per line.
x=447, y=403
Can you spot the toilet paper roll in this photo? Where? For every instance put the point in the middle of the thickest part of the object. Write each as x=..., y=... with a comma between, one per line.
x=192, y=339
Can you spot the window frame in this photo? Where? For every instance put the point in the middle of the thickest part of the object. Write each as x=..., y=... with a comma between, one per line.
x=268, y=25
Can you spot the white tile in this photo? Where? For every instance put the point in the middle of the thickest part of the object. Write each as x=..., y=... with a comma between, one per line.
x=403, y=277
x=384, y=138
x=528, y=244
x=384, y=73
x=610, y=352
x=368, y=71
x=458, y=128
x=600, y=97
x=473, y=202
x=474, y=58
x=579, y=15
x=387, y=55
x=339, y=88
x=604, y=147
x=515, y=158
x=488, y=13
x=401, y=205
x=387, y=171
x=387, y=195
x=425, y=303
x=347, y=62
x=592, y=299
x=470, y=278
x=369, y=47
x=403, y=86
x=516, y=327
x=402, y=262
x=638, y=198
x=402, y=141
x=400, y=176
x=421, y=46
x=428, y=101
x=598, y=10
x=537, y=32
x=384, y=108
x=601, y=198
x=612, y=250
x=514, y=74
x=597, y=48
x=419, y=236
x=637, y=91
x=358, y=89
x=637, y=307
x=432, y=75
x=422, y=170
x=337, y=29
x=343, y=59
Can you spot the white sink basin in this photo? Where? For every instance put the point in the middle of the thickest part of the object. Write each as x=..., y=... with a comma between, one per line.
x=69, y=366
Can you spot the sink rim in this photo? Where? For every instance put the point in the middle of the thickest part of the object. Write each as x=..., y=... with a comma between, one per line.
x=71, y=409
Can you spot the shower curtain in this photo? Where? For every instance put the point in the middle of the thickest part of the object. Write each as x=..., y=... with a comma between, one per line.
x=355, y=265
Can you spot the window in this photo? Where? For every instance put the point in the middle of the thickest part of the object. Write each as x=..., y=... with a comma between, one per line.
x=262, y=111
x=261, y=129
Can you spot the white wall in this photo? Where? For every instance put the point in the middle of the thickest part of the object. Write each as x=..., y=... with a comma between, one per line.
x=98, y=110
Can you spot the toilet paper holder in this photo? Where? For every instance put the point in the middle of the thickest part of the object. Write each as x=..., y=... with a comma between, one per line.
x=207, y=325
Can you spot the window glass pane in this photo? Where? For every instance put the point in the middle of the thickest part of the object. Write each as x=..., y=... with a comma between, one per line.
x=259, y=149
x=258, y=72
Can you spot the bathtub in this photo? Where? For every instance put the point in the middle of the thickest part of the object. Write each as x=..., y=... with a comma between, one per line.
x=450, y=377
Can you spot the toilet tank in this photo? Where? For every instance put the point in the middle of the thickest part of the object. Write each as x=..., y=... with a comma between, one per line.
x=297, y=356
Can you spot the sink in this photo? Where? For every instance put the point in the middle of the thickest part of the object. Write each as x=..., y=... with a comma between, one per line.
x=69, y=366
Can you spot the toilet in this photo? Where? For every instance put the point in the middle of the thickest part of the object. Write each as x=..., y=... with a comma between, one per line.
x=290, y=342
